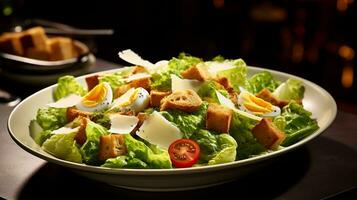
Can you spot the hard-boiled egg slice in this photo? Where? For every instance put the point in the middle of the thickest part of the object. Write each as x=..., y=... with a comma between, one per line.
x=249, y=103
x=134, y=99
x=99, y=98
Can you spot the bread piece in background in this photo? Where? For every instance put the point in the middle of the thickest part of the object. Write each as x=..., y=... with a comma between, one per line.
x=61, y=48
x=38, y=54
x=10, y=43
x=34, y=38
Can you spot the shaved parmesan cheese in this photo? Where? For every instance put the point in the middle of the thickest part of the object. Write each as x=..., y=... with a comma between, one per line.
x=157, y=130
x=215, y=67
x=133, y=58
x=66, y=102
x=122, y=124
x=225, y=101
x=65, y=130
x=136, y=77
x=184, y=84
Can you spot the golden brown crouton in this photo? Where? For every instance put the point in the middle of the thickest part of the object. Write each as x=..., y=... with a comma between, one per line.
x=92, y=81
x=73, y=113
x=121, y=90
x=142, y=82
x=266, y=95
x=198, y=72
x=81, y=135
x=225, y=83
x=111, y=146
x=156, y=97
x=218, y=118
x=267, y=134
x=185, y=100
x=10, y=43
x=138, y=69
x=34, y=38
x=61, y=48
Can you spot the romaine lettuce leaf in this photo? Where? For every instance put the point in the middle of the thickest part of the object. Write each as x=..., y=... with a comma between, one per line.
x=215, y=148
x=90, y=148
x=51, y=118
x=125, y=161
x=68, y=85
x=188, y=123
x=296, y=122
x=260, y=81
x=291, y=89
x=161, y=81
x=237, y=76
x=115, y=79
x=152, y=155
x=208, y=90
x=63, y=146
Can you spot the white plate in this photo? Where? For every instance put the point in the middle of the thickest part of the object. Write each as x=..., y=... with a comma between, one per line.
x=316, y=100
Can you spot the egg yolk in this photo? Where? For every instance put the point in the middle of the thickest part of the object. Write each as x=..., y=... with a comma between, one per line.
x=256, y=105
x=95, y=96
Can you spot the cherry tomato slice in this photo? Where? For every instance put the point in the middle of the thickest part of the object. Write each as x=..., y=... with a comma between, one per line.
x=184, y=153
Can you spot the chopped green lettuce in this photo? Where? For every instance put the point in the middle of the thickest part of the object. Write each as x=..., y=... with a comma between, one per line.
x=291, y=89
x=260, y=81
x=241, y=131
x=215, y=148
x=51, y=118
x=115, y=79
x=208, y=89
x=90, y=148
x=161, y=81
x=296, y=122
x=188, y=123
x=68, y=85
x=63, y=146
x=125, y=161
x=237, y=76
x=152, y=155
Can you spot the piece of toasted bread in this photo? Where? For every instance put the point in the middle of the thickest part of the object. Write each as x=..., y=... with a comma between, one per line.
x=61, y=48
x=198, y=72
x=267, y=134
x=10, y=43
x=111, y=146
x=185, y=100
x=34, y=38
x=156, y=97
x=218, y=118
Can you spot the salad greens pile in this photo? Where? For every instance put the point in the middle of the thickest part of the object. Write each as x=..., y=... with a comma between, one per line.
x=244, y=105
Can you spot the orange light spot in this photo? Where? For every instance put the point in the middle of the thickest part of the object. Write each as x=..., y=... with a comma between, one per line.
x=346, y=52
x=347, y=76
x=218, y=3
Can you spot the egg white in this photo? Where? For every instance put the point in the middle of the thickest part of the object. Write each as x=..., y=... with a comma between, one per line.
x=128, y=103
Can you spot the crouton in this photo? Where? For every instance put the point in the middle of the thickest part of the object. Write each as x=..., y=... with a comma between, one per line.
x=92, y=81
x=10, y=43
x=111, y=146
x=121, y=90
x=266, y=95
x=225, y=83
x=218, y=118
x=81, y=135
x=73, y=113
x=34, y=38
x=139, y=69
x=40, y=54
x=185, y=100
x=198, y=72
x=267, y=134
x=156, y=97
x=142, y=82
x=61, y=48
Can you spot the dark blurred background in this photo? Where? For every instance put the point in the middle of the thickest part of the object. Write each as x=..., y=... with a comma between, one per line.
x=313, y=39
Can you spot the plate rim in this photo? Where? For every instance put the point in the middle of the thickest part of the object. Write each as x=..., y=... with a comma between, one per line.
x=157, y=172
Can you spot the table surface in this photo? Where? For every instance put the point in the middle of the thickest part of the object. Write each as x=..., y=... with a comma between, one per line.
x=325, y=168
